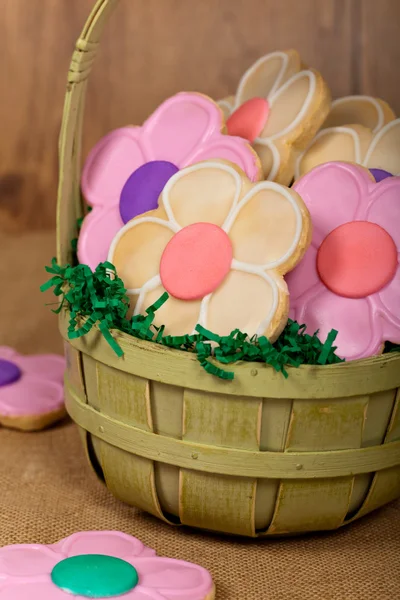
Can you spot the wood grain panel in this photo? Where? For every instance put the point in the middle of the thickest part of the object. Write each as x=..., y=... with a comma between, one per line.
x=380, y=55
x=151, y=49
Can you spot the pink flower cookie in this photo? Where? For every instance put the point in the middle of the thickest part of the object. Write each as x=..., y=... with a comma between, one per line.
x=219, y=245
x=31, y=390
x=279, y=106
x=127, y=170
x=376, y=149
x=349, y=279
x=98, y=564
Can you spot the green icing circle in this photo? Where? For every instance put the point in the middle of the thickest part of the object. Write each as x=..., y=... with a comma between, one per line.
x=95, y=576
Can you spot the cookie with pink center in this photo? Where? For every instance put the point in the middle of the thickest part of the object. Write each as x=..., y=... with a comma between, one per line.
x=279, y=106
x=219, y=245
x=127, y=170
x=99, y=564
x=349, y=279
x=31, y=390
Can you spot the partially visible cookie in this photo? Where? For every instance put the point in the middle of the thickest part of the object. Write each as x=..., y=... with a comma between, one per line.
x=368, y=111
x=279, y=106
x=31, y=390
x=354, y=143
x=349, y=279
x=99, y=564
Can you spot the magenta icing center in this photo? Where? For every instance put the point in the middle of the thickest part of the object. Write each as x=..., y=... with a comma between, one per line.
x=143, y=188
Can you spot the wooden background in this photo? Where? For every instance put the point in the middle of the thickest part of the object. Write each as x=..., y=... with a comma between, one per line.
x=154, y=48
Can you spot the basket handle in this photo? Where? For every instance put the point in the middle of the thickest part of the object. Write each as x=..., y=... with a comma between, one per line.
x=69, y=202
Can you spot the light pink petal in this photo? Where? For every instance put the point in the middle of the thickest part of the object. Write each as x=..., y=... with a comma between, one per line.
x=31, y=396
x=174, y=579
x=390, y=298
x=98, y=231
x=385, y=207
x=109, y=164
x=39, y=590
x=359, y=335
x=233, y=149
x=49, y=367
x=304, y=277
x=7, y=353
x=181, y=126
x=113, y=543
x=332, y=192
x=27, y=560
x=140, y=593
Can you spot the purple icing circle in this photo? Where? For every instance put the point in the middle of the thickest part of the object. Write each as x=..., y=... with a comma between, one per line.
x=380, y=174
x=9, y=372
x=143, y=188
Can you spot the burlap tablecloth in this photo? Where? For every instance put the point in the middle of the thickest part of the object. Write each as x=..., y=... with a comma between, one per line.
x=47, y=491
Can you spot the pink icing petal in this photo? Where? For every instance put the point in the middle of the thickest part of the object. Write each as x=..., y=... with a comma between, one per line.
x=333, y=193
x=31, y=396
x=173, y=579
x=7, y=353
x=27, y=560
x=113, y=543
x=98, y=231
x=181, y=125
x=39, y=590
x=109, y=165
x=358, y=336
x=385, y=207
x=49, y=367
x=233, y=149
x=304, y=276
x=390, y=298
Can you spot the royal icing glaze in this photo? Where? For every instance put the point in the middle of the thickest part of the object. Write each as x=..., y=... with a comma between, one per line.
x=249, y=119
x=298, y=100
x=98, y=564
x=354, y=143
x=220, y=254
x=126, y=171
x=349, y=279
x=370, y=112
x=380, y=174
x=30, y=386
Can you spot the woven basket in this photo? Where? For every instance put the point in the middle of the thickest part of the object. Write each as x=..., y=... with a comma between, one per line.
x=260, y=455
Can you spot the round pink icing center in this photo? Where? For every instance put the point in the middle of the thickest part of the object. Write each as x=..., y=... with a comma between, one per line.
x=196, y=261
x=357, y=259
x=249, y=119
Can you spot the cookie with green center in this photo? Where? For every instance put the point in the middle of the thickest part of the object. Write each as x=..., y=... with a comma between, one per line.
x=99, y=564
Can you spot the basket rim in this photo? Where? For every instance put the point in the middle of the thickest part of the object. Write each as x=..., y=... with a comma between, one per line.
x=253, y=379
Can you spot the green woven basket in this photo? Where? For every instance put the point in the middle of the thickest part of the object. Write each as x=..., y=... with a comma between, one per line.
x=257, y=456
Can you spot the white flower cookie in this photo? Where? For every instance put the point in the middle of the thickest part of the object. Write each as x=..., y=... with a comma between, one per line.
x=279, y=106
x=219, y=245
x=370, y=112
x=376, y=148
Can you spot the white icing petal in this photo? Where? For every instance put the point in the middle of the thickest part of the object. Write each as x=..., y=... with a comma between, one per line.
x=364, y=110
x=263, y=78
x=137, y=249
x=191, y=197
x=266, y=227
x=245, y=300
x=384, y=151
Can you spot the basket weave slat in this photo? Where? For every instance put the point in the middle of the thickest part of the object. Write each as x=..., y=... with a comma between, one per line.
x=258, y=456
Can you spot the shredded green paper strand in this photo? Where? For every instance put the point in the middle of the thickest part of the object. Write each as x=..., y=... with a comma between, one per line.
x=100, y=298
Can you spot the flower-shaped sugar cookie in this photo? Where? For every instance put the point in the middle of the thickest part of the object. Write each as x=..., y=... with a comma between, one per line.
x=370, y=112
x=219, y=245
x=98, y=564
x=279, y=106
x=377, y=151
x=31, y=390
x=127, y=170
x=349, y=279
